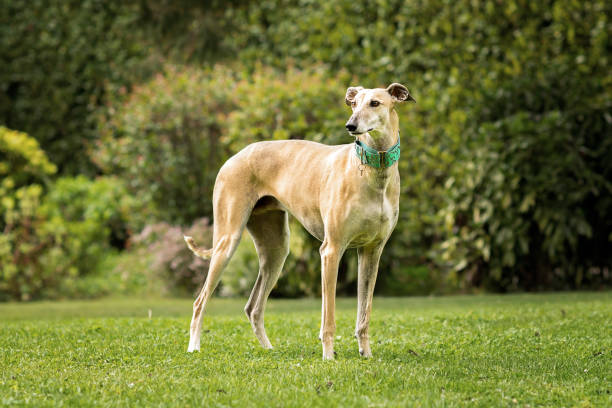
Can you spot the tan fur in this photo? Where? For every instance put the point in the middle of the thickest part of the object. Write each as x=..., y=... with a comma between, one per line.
x=201, y=252
x=337, y=199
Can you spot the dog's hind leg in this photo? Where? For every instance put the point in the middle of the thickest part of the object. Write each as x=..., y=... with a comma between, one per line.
x=270, y=232
x=231, y=214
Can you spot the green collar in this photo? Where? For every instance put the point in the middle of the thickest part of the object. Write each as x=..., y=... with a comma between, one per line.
x=375, y=158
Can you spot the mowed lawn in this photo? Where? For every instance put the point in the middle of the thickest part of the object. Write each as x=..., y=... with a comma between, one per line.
x=513, y=350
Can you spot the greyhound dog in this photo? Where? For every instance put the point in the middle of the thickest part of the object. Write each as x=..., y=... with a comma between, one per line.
x=347, y=196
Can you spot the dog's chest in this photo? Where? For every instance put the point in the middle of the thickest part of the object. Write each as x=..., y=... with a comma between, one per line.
x=372, y=221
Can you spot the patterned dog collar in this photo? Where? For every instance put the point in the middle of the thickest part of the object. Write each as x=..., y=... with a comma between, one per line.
x=375, y=158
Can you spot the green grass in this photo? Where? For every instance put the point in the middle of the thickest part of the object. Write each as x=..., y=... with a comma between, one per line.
x=520, y=350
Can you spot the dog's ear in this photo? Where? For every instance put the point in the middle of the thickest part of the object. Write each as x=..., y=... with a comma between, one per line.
x=350, y=94
x=399, y=93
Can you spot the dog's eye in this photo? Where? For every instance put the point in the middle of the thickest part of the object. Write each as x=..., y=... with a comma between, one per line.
x=353, y=104
x=374, y=103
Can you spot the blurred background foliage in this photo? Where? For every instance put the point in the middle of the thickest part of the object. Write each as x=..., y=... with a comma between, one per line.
x=116, y=117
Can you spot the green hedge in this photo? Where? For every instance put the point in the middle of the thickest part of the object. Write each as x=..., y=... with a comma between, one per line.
x=59, y=59
x=510, y=124
x=505, y=158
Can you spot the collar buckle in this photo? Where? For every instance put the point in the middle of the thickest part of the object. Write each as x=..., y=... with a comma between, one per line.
x=382, y=155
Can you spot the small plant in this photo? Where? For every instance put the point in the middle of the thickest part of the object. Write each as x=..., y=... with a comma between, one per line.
x=168, y=259
x=52, y=232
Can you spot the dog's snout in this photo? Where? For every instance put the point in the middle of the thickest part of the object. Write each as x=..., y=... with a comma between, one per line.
x=351, y=127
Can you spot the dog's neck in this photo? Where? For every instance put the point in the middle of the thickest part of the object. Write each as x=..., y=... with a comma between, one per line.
x=384, y=138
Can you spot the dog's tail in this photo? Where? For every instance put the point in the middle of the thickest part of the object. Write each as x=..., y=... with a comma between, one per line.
x=201, y=252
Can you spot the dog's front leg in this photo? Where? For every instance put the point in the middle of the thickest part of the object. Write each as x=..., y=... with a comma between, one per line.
x=368, y=258
x=330, y=258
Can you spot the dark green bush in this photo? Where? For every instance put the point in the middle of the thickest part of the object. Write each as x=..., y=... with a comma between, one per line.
x=191, y=30
x=59, y=58
x=533, y=207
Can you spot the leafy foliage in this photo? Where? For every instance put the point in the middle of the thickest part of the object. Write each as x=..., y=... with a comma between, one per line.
x=23, y=167
x=528, y=199
x=21, y=162
x=164, y=139
x=58, y=58
x=505, y=160
x=190, y=30
x=52, y=239
x=296, y=104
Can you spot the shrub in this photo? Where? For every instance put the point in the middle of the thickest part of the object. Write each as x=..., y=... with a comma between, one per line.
x=167, y=258
x=23, y=168
x=528, y=201
x=52, y=239
x=533, y=209
x=164, y=139
x=99, y=211
x=22, y=161
x=190, y=30
x=59, y=59
x=296, y=104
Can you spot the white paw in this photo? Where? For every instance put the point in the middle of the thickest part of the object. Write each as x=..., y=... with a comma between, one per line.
x=193, y=346
x=329, y=355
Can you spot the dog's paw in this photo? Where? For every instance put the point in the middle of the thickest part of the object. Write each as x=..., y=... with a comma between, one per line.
x=193, y=346
x=328, y=356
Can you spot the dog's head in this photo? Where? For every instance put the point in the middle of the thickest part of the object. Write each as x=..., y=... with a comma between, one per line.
x=372, y=107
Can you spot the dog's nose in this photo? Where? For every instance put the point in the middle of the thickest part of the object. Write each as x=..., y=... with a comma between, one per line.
x=350, y=127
